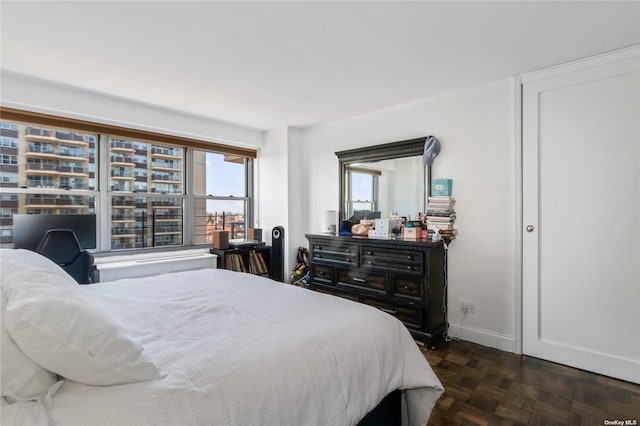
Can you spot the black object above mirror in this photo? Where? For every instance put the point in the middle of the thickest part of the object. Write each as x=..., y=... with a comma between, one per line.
x=378, y=180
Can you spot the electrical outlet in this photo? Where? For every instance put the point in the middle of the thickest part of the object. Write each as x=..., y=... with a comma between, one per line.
x=467, y=308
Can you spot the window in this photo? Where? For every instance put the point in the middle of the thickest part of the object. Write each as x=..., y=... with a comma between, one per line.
x=7, y=212
x=221, y=190
x=155, y=170
x=362, y=190
x=8, y=142
x=139, y=183
x=7, y=159
x=11, y=179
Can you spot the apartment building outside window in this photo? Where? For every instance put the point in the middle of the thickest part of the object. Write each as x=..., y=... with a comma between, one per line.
x=41, y=168
x=155, y=170
x=138, y=186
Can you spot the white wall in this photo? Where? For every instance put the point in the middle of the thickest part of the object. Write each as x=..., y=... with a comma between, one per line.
x=41, y=96
x=272, y=185
x=476, y=127
x=278, y=184
x=297, y=210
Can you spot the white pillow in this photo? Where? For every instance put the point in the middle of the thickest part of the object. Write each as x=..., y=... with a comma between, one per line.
x=20, y=260
x=20, y=377
x=63, y=328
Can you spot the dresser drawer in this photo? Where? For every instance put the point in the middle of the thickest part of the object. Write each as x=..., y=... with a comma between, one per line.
x=408, y=262
x=345, y=254
x=345, y=294
x=321, y=273
x=410, y=314
x=407, y=287
x=361, y=278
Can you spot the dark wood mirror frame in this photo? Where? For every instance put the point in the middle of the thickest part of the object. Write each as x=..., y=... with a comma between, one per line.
x=386, y=151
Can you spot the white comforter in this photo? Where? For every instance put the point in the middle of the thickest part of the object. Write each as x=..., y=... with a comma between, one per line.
x=244, y=350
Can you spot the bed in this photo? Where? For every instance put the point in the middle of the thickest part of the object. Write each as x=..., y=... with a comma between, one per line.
x=205, y=347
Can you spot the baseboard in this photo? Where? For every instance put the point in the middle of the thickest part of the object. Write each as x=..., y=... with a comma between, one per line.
x=483, y=337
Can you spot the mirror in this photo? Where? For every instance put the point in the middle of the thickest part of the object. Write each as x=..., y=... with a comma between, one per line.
x=379, y=180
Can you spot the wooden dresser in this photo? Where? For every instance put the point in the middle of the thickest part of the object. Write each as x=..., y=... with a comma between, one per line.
x=401, y=277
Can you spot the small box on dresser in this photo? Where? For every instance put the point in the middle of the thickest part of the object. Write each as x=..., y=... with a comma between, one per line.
x=412, y=233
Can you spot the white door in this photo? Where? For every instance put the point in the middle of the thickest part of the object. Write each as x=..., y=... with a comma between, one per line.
x=581, y=215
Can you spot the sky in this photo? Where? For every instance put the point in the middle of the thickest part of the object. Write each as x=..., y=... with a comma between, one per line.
x=223, y=179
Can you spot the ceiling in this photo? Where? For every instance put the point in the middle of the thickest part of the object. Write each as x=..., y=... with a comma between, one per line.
x=268, y=64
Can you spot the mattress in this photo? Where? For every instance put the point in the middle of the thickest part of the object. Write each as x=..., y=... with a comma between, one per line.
x=238, y=349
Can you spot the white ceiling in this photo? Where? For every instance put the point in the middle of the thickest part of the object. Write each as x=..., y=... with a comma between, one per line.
x=267, y=64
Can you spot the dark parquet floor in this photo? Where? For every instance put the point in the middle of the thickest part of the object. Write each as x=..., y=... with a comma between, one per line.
x=486, y=386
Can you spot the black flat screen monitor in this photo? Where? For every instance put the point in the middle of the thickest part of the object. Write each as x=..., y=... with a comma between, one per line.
x=28, y=229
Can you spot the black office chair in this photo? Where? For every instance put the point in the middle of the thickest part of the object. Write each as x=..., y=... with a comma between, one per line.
x=62, y=246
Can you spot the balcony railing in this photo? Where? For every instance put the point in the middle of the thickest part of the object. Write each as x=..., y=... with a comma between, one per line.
x=48, y=149
x=166, y=151
x=123, y=216
x=64, y=136
x=166, y=177
x=174, y=190
x=122, y=231
x=55, y=201
x=70, y=136
x=69, y=169
x=116, y=159
x=56, y=168
x=124, y=145
x=166, y=164
x=40, y=166
x=70, y=152
x=44, y=149
x=40, y=132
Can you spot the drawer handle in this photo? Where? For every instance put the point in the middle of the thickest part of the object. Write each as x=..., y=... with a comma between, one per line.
x=409, y=268
x=369, y=262
x=360, y=280
x=409, y=257
x=389, y=311
x=346, y=259
x=322, y=273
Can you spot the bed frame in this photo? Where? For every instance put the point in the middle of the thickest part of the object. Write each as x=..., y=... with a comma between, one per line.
x=386, y=413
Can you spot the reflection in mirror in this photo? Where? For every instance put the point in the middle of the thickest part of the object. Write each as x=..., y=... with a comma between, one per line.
x=376, y=189
x=379, y=180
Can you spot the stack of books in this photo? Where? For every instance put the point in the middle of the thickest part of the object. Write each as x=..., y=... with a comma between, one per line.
x=441, y=215
x=257, y=264
x=235, y=263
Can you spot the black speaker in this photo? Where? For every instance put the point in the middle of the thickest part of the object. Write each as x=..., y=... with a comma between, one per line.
x=277, y=253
